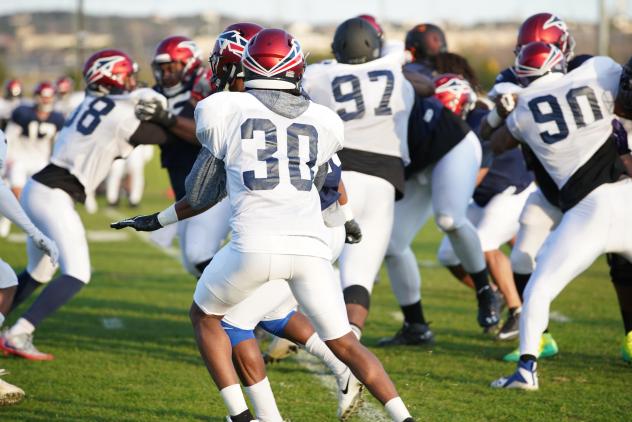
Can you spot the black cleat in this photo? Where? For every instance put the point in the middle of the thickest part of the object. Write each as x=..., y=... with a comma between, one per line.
x=409, y=420
x=510, y=328
x=410, y=335
x=488, y=307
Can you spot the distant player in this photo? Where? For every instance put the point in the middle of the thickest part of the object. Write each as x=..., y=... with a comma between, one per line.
x=11, y=98
x=67, y=98
x=277, y=227
x=424, y=42
x=372, y=97
x=574, y=145
x=101, y=129
x=10, y=208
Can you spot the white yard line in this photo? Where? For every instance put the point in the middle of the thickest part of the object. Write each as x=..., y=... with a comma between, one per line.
x=112, y=323
x=368, y=412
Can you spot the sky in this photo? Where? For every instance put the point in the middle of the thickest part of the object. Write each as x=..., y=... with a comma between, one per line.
x=332, y=11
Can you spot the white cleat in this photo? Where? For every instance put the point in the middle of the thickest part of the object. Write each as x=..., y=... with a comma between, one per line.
x=5, y=226
x=349, y=395
x=525, y=377
x=9, y=393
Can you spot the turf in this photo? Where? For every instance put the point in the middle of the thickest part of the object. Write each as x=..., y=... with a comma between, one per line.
x=148, y=369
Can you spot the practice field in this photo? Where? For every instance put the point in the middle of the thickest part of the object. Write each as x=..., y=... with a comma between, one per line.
x=125, y=351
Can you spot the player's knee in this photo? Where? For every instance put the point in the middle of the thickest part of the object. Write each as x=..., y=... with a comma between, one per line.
x=620, y=270
x=277, y=326
x=448, y=222
x=522, y=262
x=357, y=295
x=236, y=334
x=7, y=276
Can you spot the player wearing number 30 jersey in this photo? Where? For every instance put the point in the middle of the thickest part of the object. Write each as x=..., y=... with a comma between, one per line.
x=101, y=129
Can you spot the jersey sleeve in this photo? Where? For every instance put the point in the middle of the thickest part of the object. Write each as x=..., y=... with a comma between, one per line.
x=608, y=73
x=513, y=125
x=209, y=125
x=334, y=138
x=314, y=84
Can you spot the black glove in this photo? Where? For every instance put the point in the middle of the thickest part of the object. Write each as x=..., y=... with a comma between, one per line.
x=620, y=137
x=353, y=234
x=140, y=223
x=153, y=111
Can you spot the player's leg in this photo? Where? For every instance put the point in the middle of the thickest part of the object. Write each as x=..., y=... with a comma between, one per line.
x=135, y=165
x=621, y=276
x=8, y=286
x=453, y=180
x=314, y=286
x=585, y=226
x=201, y=236
x=229, y=279
x=372, y=202
x=113, y=182
x=411, y=213
x=60, y=222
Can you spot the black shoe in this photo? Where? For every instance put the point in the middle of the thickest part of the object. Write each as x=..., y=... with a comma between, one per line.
x=510, y=328
x=487, y=307
x=410, y=335
x=409, y=420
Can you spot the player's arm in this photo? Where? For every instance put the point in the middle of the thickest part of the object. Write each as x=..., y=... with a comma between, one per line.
x=502, y=140
x=505, y=104
x=181, y=126
x=205, y=186
x=620, y=136
x=423, y=85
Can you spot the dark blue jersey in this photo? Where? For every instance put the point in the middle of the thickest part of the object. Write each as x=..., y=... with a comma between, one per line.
x=32, y=127
x=420, y=67
x=508, y=76
x=329, y=192
x=433, y=130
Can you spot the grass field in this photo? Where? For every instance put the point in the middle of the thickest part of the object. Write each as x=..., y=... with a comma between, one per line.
x=125, y=351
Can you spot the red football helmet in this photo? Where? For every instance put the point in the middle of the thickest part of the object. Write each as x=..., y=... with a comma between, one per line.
x=228, y=50
x=110, y=71
x=44, y=94
x=13, y=89
x=548, y=28
x=273, y=59
x=373, y=22
x=63, y=85
x=177, y=49
x=203, y=85
x=537, y=59
x=455, y=93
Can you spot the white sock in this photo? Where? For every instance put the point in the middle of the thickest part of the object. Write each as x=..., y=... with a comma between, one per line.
x=262, y=400
x=233, y=399
x=315, y=346
x=22, y=326
x=1, y=319
x=396, y=409
x=357, y=331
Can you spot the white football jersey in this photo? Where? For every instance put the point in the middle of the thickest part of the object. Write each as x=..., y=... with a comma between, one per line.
x=373, y=99
x=69, y=103
x=270, y=163
x=565, y=119
x=96, y=134
x=3, y=152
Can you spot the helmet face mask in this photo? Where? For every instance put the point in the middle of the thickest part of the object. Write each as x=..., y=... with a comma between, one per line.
x=176, y=63
x=44, y=95
x=425, y=41
x=455, y=93
x=13, y=89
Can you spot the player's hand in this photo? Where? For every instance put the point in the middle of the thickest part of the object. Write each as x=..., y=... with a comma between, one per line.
x=153, y=111
x=505, y=104
x=140, y=223
x=620, y=137
x=353, y=234
x=46, y=245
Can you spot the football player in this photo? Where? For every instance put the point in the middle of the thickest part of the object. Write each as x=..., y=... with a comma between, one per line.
x=102, y=128
x=12, y=97
x=372, y=97
x=31, y=131
x=277, y=228
x=503, y=185
x=575, y=146
x=177, y=65
x=425, y=42
x=67, y=98
x=10, y=208
x=134, y=168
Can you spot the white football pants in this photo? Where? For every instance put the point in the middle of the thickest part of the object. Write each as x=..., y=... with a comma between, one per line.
x=598, y=224
x=134, y=166
x=496, y=223
x=53, y=212
x=538, y=218
x=445, y=189
x=372, y=201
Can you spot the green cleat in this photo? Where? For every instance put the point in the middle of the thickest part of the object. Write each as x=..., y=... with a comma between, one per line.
x=626, y=348
x=548, y=348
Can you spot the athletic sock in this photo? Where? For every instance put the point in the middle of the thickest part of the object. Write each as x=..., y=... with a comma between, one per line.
x=357, y=331
x=521, y=281
x=56, y=294
x=414, y=314
x=516, y=310
x=22, y=326
x=262, y=400
x=234, y=400
x=481, y=279
x=26, y=286
x=396, y=409
x=624, y=296
x=315, y=346
x=526, y=358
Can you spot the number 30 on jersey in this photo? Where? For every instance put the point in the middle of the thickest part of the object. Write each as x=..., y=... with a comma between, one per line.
x=266, y=154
